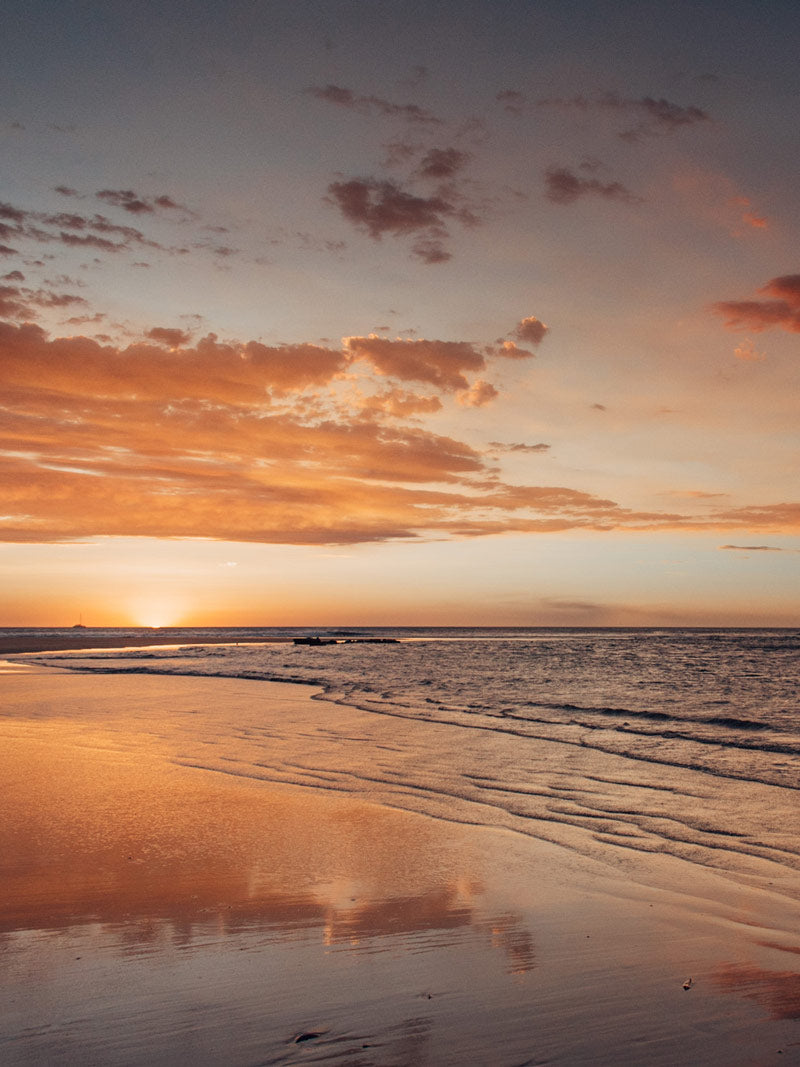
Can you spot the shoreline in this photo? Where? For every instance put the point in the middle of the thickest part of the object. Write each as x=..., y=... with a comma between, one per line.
x=17, y=645
x=55, y=639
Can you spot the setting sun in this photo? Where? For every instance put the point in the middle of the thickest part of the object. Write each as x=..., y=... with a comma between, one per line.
x=155, y=612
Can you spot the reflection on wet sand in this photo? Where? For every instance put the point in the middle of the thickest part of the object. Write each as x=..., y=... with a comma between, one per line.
x=150, y=851
x=776, y=991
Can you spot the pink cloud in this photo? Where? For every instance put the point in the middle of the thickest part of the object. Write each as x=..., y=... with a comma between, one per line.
x=758, y=315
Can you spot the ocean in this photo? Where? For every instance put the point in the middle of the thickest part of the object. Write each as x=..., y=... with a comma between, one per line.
x=683, y=743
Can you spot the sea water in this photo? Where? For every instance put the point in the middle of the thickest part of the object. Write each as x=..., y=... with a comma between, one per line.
x=679, y=742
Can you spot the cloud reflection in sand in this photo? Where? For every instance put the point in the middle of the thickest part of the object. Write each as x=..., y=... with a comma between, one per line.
x=151, y=855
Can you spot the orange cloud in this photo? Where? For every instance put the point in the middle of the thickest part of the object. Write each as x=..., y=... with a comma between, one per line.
x=531, y=330
x=211, y=371
x=249, y=442
x=748, y=353
x=478, y=395
x=758, y=315
x=441, y=363
x=400, y=404
x=713, y=198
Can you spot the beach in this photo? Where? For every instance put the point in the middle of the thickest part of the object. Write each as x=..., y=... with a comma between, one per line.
x=157, y=909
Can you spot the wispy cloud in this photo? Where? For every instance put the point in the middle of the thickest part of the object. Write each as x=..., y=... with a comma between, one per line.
x=563, y=186
x=132, y=202
x=511, y=100
x=518, y=447
x=657, y=116
x=752, y=548
x=373, y=105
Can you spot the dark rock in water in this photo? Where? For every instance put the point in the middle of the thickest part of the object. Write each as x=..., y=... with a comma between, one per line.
x=309, y=1035
x=371, y=641
x=316, y=641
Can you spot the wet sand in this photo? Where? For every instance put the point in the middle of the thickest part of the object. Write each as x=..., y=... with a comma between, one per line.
x=157, y=912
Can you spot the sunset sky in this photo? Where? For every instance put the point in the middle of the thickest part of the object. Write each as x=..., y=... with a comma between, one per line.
x=341, y=311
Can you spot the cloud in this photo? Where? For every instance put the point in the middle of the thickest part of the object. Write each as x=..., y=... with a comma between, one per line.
x=248, y=442
x=172, y=338
x=430, y=250
x=748, y=353
x=771, y=518
x=14, y=214
x=135, y=204
x=712, y=198
x=479, y=394
x=511, y=350
x=400, y=404
x=519, y=447
x=511, y=101
x=661, y=116
x=149, y=440
x=440, y=163
x=20, y=303
x=757, y=315
x=562, y=186
x=127, y=200
x=440, y=363
x=531, y=330
x=12, y=305
x=381, y=207
x=73, y=230
x=752, y=548
x=657, y=115
x=211, y=371
x=371, y=105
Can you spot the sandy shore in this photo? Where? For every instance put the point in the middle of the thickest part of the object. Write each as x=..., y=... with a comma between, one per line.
x=157, y=912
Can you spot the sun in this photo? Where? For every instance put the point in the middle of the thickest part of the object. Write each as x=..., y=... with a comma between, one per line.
x=155, y=612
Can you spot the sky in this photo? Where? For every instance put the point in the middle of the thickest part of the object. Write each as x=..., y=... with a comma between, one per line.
x=319, y=312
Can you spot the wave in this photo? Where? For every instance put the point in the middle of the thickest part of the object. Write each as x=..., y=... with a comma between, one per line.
x=711, y=744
